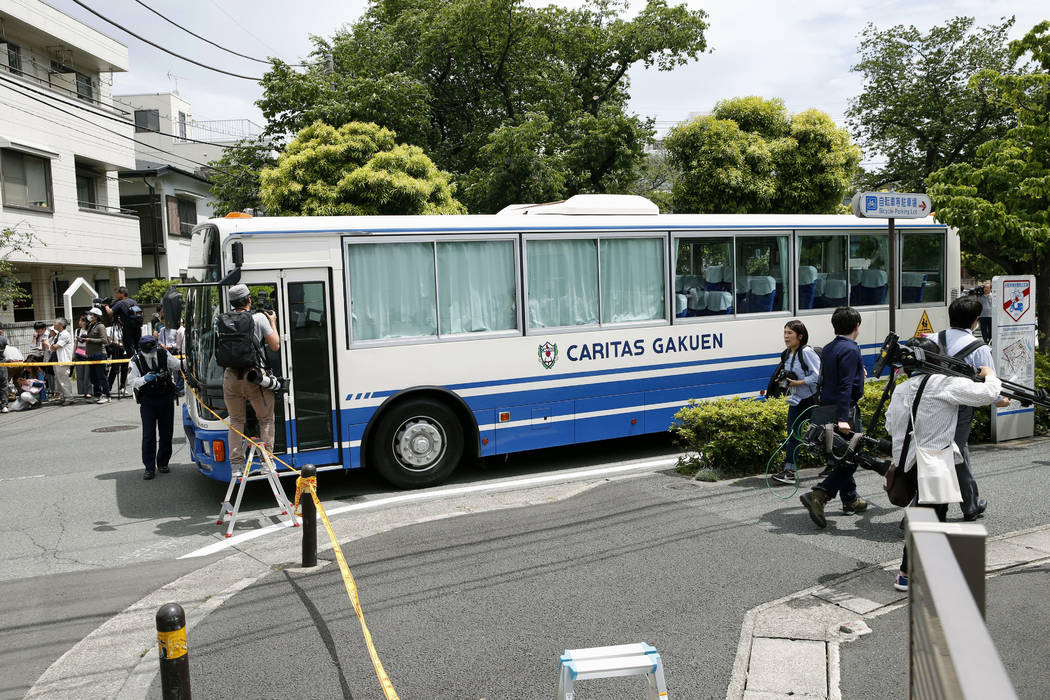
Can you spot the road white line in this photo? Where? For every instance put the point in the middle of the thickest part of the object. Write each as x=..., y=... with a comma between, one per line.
x=19, y=478
x=433, y=494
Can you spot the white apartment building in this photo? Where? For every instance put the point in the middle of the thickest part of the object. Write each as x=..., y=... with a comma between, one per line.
x=62, y=141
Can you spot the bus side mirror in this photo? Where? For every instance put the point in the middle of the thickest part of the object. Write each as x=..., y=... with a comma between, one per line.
x=234, y=275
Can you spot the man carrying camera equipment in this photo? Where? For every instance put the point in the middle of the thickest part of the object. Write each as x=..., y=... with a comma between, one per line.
x=796, y=375
x=246, y=377
x=959, y=342
x=152, y=378
x=126, y=314
x=842, y=386
x=921, y=417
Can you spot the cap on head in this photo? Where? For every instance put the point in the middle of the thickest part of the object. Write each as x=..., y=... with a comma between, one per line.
x=95, y=312
x=238, y=292
x=147, y=343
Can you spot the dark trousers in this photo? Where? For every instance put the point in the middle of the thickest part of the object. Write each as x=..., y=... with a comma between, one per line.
x=841, y=482
x=3, y=387
x=130, y=338
x=963, y=470
x=986, y=328
x=158, y=417
x=117, y=369
x=794, y=411
x=99, y=382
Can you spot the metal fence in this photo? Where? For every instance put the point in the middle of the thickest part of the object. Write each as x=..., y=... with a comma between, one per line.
x=952, y=655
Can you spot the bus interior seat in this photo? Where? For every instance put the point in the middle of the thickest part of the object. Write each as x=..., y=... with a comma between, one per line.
x=835, y=291
x=807, y=286
x=719, y=303
x=873, y=287
x=913, y=285
x=682, y=283
x=715, y=279
x=761, y=293
x=697, y=301
x=681, y=305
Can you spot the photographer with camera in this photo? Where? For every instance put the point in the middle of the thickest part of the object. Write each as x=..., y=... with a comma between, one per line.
x=128, y=315
x=921, y=420
x=842, y=386
x=960, y=343
x=240, y=335
x=152, y=377
x=796, y=376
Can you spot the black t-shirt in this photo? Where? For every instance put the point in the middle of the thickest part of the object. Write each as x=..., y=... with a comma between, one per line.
x=122, y=309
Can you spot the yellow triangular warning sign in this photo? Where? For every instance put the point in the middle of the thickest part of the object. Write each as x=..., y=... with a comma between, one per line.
x=924, y=327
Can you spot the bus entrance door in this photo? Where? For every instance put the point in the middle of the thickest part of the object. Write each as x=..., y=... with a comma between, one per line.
x=313, y=420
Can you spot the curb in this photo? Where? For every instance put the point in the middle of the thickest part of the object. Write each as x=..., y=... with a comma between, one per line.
x=779, y=652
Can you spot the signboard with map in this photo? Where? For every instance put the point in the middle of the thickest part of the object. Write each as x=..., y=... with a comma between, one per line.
x=1014, y=341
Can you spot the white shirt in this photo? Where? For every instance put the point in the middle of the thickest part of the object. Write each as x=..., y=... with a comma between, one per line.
x=958, y=338
x=135, y=378
x=937, y=412
x=64, y=341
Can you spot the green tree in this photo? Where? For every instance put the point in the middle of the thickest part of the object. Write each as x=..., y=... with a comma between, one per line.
x=1001, y=203
x=466, y=80
x=916, y=109
x=17, y=242
x=152, y=292
x=357, y=169
x=751, y=156
x=235, y=176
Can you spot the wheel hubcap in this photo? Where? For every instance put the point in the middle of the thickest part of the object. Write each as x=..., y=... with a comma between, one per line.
x=419, y=444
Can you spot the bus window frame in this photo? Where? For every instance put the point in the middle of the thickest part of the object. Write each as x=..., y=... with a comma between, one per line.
x=733, y=235
x=817, y=233
x=593, y=236
x=943, y=231
x=481, y=237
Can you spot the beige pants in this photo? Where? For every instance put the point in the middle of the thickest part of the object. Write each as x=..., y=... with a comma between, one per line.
x=235, y=392
x=63, y=384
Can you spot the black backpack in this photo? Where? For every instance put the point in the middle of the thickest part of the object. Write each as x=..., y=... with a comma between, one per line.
x=235, y=344
x=133, y=319
x=171, y=305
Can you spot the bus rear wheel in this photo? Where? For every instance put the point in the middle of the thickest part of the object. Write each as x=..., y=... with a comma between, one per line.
x=417, y=443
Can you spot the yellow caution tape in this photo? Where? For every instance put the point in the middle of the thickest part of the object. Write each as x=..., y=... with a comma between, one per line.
x=78, y=363
x=172, y=645
x=309, y=485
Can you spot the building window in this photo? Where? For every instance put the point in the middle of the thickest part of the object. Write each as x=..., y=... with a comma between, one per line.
x=14, y=58
x=182, y=125
x=23, y=305
x=87, y=188
x=26, y=180
x=147, y=120
x=187, y=216
x=85, y=90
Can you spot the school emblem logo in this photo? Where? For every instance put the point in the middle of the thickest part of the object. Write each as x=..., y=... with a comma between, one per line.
x=1017, y=298
x=548, y=354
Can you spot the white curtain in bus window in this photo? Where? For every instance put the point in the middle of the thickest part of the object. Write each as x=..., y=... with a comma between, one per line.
x=922, y=267
x=476, y=287
x=632, y=274
x=392, y=290
x=869, y=269
x=821, y=275
x=761, y=272
x=563, y=283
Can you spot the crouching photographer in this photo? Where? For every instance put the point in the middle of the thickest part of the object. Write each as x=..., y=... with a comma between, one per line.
x=246, y=378
x=152, y=377
x=921, y=422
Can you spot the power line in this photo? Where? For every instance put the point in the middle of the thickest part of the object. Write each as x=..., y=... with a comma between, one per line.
x=108, y=116
x=209, y=41
x=246, y=30
x=167, y=51
x=123, y=136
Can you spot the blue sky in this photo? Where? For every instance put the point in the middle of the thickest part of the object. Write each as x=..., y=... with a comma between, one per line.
x=798, y=51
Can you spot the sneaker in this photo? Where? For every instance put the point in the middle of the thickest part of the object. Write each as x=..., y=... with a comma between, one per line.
x=787, y=476
x=147, y=475
x=4, y=410
x=858, y=506
x=104, y=399
x=901, y=582
x=814, y=502
x=826, y=472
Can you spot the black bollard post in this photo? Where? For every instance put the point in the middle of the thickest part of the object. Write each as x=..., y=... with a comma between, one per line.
x=309, y=521
x=174, y=652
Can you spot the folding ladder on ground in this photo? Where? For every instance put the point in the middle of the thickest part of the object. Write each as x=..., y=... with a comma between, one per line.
x=239, y=481
x=609, y=662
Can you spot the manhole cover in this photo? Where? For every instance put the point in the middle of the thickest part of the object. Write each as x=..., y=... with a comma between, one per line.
x=113, y=428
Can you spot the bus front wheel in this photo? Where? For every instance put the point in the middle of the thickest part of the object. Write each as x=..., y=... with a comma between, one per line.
x=417, y=443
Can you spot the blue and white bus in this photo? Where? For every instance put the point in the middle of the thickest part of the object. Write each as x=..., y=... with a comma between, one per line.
x=411, y=342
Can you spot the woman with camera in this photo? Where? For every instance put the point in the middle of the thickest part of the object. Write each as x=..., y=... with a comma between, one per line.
x=800, y=369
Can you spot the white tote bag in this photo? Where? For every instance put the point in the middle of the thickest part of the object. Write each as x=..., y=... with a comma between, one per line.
x=937, y=480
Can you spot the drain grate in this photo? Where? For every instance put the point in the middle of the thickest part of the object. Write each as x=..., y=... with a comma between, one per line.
x=113, y=428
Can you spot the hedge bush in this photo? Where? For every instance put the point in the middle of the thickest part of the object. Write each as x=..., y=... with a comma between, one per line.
x=151, y=292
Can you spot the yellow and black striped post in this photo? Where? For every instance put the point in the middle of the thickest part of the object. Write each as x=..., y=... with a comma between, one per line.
x=174, y=652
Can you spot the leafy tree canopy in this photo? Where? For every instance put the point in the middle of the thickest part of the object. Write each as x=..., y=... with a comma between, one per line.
x=916, y=109
x=1001, y=202
x=488, y=86
x=235, y=176
x=751, y=156
x=356, y=169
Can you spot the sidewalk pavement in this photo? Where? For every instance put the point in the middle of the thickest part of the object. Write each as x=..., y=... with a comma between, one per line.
x=793, y=647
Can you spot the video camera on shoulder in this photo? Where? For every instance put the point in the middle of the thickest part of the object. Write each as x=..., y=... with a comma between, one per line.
x=102, y=301
x=977, y=291
x=855, y=450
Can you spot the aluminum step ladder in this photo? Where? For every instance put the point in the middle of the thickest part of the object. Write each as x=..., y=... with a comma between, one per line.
x=239, y=481
x=610, y=662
